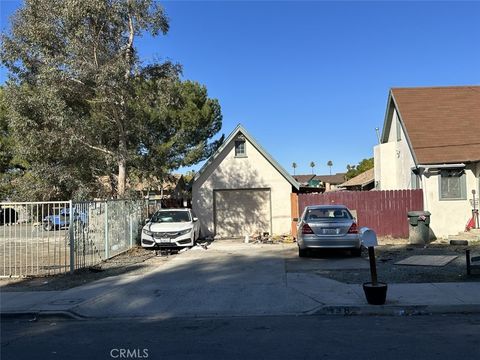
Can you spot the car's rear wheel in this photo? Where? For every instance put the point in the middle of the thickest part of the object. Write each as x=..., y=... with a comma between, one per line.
x=302, y=252
x=48, y=226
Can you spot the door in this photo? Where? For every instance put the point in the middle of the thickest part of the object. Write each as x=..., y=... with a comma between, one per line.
x=241, y=212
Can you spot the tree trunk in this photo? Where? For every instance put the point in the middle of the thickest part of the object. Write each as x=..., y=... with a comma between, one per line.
x=122, y=177
x=122, y=165
x=122, y=162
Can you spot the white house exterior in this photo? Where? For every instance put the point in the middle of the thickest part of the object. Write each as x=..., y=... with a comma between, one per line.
x=431, y=140
x=242, y=190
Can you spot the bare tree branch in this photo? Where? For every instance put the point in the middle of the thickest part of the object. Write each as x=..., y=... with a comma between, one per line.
x=93, y=147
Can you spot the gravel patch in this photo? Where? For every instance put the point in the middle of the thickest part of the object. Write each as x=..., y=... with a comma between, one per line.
x=388, y=254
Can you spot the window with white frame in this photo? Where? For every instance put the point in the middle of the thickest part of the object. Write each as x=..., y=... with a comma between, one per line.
x=452, y=184
x=240, y=149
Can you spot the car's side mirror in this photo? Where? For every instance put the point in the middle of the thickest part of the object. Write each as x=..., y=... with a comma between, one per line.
x=147, y=221
x=195, y=219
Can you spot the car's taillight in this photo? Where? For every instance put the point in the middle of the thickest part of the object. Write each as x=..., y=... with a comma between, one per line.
x=306, y=229
x=353, y=229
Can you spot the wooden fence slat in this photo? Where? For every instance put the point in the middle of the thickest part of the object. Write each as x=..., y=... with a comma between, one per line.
x=383, y=211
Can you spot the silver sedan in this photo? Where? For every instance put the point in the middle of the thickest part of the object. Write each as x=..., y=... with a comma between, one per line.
x=327, y=226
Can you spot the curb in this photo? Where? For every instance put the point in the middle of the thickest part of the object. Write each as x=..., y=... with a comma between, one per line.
x=40, y=315
x=396, y=310
x=327, y=310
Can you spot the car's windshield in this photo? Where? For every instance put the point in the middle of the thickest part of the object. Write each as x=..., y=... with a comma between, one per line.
x=327, y=214
x=171, y=216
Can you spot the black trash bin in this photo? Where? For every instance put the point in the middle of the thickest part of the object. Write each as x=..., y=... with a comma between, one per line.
x=419, y=227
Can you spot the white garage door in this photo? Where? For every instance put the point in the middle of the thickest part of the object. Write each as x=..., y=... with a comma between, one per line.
x=241, y=212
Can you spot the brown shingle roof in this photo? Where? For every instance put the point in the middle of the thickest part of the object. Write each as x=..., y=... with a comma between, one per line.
x=361, y=179
x=443, y=123
x=332, y=179
x=303, y=179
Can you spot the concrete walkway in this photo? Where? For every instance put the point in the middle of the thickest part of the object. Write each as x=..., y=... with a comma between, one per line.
x=236, y=279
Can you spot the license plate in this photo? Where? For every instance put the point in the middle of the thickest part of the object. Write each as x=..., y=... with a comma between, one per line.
x=163, y=240
x=330, y=231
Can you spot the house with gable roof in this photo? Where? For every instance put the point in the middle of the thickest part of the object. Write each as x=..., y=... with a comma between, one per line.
x=362, y=182
x=320, y=183
x=431, y=141
x=332, y=182
x=241, y=190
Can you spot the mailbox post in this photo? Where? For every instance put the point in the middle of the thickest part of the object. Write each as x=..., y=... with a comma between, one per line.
x=375, y=292
x=373, y=265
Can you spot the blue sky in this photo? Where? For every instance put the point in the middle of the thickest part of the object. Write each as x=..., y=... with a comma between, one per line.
x=310, y=80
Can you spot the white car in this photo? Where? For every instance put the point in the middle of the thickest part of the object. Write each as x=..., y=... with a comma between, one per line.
x=171, y=228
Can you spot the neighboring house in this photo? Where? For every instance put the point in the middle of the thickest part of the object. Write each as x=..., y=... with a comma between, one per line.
x=308, y=184
x=303, y=180
x=241, y=190
x=331, y=182
x=172, y=186
x=431, y=140
x=362, y=182
x=172, y=189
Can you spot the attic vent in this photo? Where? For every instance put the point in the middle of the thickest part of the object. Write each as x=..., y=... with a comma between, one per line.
x=241, y=137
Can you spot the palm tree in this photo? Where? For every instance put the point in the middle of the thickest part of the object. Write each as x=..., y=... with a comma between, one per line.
x=294, y=166
x=312, y=165
x=330, y=164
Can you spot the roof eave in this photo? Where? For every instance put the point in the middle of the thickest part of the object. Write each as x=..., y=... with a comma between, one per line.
x=404, y=129
x=387, y=120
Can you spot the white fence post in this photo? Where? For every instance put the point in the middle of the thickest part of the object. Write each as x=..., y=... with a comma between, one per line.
x=131, y=230
x=72, y=238
x=106, y=231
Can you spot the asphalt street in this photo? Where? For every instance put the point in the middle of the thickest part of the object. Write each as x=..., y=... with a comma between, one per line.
x=287, y=337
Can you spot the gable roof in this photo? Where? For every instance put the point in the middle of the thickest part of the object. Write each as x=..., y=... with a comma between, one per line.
x=240, y=129
x=362, y=179
x=336, y=179
x=442, y=124
x=303, y=179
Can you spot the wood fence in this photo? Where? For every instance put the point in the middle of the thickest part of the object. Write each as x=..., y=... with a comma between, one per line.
x=383, y=211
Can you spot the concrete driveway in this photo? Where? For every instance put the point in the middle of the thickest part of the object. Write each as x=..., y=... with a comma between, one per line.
x=230, y=278
x=236, y=279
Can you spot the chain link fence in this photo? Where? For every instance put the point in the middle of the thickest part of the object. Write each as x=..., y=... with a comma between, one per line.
x=46, y=238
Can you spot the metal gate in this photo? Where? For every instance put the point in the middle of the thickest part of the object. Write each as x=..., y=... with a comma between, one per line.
x=33, y=238
x=45, y=238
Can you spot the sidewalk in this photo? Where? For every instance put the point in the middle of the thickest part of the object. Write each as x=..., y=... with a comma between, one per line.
x=232, y=280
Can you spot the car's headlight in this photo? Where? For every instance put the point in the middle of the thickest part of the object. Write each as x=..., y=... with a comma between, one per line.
x=147, y=232
x=184, y=232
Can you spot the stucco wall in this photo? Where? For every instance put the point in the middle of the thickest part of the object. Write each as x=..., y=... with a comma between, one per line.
x=393, y=161
x=230, y=172
x=385, y=169
x=449, y=217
